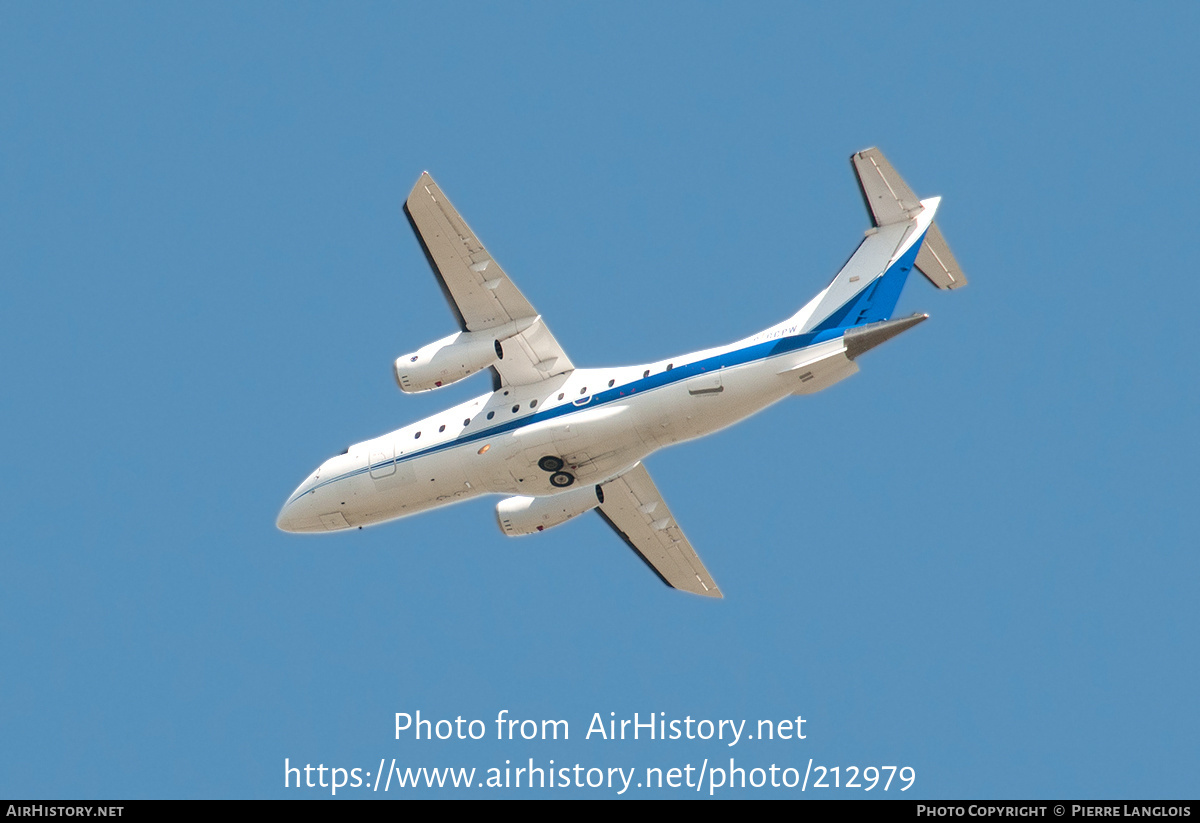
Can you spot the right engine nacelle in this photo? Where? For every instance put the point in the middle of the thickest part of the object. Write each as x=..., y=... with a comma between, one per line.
x=529, y=515
x=447, y=361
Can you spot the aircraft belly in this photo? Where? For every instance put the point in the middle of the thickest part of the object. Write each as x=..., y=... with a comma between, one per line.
x=749, y=390
x=486, y=465
x=592, y=443
x=440, y=477
x=593, y=467
x=685, y=413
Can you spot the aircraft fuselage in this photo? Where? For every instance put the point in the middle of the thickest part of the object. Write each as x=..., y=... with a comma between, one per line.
x=598, y=421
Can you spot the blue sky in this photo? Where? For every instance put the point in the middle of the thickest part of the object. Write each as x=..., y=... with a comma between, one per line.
x=976, y=558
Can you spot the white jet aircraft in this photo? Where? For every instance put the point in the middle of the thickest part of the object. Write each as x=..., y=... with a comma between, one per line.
x=561, y=440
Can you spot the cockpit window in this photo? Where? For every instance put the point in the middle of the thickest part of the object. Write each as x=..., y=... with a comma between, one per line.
x=344, y=451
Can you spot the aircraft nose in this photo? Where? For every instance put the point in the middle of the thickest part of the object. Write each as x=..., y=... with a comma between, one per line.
x=297, y=515
x=287, y=520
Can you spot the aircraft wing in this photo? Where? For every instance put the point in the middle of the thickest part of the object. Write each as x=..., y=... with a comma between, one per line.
x=479, y=292
x=635, y=510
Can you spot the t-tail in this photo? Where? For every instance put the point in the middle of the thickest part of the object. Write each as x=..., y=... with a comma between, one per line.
x=903, y=237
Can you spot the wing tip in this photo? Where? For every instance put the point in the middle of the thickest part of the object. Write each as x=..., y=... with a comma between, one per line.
x=423, y=179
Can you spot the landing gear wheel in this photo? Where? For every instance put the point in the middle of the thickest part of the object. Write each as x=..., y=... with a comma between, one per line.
x=561, y=479
x=550, y=463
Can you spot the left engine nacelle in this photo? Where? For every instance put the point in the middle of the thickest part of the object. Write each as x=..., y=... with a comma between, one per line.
x=447, y=361
x=529, y=515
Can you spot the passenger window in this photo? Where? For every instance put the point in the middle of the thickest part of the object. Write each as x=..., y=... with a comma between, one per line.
x=670, y=366
x=646, y=373
x=610, y=383
x=415, y=436
x=442, y=427
x=516, y=407
x=583, y=390
x=491, y=415
x=560, y=395
x=466, y=422
x=532, y=404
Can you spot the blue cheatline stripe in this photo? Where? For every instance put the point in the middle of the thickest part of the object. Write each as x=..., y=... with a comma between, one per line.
x=878, y=301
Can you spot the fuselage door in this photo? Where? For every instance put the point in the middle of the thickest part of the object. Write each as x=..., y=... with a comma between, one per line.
x=382, y=458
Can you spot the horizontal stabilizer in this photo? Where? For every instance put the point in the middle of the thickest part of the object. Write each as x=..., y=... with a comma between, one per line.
x=937, y=263
x=864, y=338
x=888, y=197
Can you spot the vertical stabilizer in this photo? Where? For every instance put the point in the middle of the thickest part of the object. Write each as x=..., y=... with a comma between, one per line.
x=903, y=237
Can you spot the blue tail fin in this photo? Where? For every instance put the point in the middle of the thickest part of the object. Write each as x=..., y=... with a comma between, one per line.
x=903, y=238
